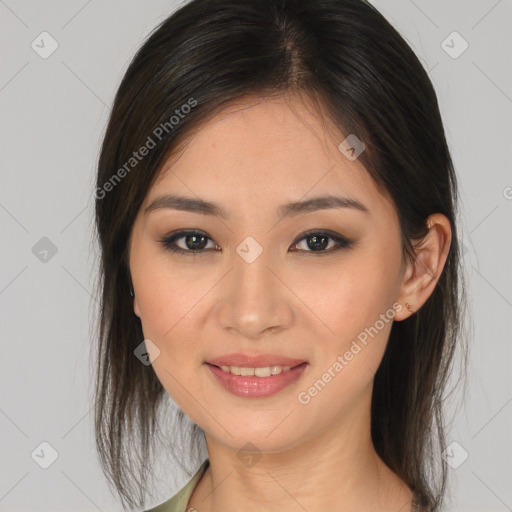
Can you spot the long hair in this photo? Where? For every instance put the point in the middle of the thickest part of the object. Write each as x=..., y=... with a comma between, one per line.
x=346, y=57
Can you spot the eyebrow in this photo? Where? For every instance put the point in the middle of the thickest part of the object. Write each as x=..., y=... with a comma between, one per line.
x=202, y=207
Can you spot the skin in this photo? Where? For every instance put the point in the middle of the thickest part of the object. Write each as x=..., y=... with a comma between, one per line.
x=250, y=160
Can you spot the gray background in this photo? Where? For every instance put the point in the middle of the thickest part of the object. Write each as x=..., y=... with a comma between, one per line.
x=53, y=116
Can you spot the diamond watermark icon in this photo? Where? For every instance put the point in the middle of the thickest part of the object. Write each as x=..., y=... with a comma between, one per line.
x=454, y=45
x=249, y=454
x=44, y=250
x=146, y=352
x=249, y=249
x=44, y=45
x=352, y=147
x=44, y=455
x=455, y=455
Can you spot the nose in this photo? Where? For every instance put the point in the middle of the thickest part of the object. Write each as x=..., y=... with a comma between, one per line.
x=255, y=299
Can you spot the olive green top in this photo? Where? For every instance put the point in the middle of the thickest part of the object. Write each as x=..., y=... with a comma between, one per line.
x=179, y=502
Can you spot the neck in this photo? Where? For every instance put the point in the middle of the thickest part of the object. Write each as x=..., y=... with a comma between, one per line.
x=336, y=470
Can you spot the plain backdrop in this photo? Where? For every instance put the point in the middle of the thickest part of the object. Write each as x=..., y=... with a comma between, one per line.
x=53, y=115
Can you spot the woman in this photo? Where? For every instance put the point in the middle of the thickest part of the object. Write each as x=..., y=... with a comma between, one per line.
x=276, y=209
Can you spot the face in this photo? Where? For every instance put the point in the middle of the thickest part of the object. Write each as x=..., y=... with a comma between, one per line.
x=311, y=288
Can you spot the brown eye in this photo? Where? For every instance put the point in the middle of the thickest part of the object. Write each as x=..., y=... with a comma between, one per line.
x=188, y=242
x=194, y=243
x=320, y=242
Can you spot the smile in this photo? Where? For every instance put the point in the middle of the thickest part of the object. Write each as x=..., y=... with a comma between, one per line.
x=265, y=371
x=256, y=382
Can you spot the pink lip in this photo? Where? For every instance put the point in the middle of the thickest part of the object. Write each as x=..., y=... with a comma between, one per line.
x=256, y=387
x=256, y=361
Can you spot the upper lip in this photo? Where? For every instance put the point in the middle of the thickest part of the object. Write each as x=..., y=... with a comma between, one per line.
x=254, y=361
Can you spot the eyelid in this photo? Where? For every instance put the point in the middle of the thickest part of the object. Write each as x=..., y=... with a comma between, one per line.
x=342, y=242
x=169, y=240
x=319, y=231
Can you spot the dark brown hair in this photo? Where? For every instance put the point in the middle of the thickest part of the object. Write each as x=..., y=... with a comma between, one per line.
x=345, y=56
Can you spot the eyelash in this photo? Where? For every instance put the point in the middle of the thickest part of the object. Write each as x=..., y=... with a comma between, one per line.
x=343, y=243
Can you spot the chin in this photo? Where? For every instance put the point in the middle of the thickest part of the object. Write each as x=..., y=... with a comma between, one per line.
x=255, y=434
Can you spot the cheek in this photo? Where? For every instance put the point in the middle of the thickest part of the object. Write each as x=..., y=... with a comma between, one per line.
x=178, y=364
x=346, y=363
x=355, y=306
x=167, y=307
x=347, y=299
x=168, y=295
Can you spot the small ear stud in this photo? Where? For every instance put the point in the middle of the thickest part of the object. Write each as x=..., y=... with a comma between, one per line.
x=409, y=307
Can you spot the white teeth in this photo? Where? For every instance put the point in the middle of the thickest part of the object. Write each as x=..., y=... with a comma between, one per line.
x=275, y=370
x=262, y=372
x=265, y=371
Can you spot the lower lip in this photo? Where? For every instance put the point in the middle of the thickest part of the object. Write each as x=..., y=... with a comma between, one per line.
x=257, y=387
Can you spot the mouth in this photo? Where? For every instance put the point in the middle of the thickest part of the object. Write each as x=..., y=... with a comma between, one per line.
x=256, y=381
x=257, y=371
x=245, y=360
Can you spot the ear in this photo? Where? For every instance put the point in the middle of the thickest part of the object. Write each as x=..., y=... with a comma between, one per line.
x=136, y=309
x=421, y=276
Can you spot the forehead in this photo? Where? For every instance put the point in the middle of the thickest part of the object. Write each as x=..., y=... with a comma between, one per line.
x=262, y=153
